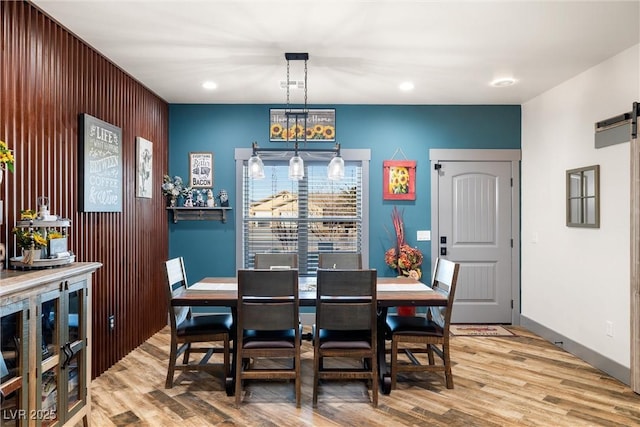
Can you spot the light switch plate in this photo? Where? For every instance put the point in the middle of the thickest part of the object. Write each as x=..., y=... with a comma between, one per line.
x=423, y=235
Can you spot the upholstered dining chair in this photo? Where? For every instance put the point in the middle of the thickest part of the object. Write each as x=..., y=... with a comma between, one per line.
x=187, y=330
x=267, y=328
x=275, y=260
x=341, y=261
x=426, y=334
x=346, y=327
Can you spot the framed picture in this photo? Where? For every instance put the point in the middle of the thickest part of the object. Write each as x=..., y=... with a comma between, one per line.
x=99, y=165
x=321, y=125
x=144, y=168
x=399, y=180
x=201, y=170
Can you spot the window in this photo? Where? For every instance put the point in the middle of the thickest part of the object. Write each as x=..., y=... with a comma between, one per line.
x=583, y=193
x=309, y=216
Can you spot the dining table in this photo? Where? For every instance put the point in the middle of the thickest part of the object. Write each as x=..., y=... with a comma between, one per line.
x=391, y=292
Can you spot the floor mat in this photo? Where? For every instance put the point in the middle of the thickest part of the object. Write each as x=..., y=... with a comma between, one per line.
x=480, y=330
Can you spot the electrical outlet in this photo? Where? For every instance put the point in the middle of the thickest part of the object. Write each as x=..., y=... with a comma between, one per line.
x=112, y=322
x=609, y=328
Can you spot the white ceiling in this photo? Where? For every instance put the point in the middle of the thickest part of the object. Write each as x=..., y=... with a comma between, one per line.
x=359, y=50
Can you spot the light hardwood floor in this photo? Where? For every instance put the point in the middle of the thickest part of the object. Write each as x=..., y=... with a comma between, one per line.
x=499, y=381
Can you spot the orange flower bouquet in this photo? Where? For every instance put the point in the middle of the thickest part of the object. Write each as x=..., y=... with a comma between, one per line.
x=403, y=258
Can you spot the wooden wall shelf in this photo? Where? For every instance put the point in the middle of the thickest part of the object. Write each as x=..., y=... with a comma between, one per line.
x=199, y=214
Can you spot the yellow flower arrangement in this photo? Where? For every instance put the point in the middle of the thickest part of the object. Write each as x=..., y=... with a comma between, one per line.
x=29, y=239
x=6, y=157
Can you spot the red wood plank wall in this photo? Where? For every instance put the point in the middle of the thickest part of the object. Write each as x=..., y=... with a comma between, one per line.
x=47, y=78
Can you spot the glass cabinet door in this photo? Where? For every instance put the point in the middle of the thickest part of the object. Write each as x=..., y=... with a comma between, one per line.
x=13, y=364
x=74, y=364
x=49, y=359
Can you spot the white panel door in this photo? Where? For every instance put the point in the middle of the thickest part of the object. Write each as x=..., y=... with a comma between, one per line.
x=474, y=224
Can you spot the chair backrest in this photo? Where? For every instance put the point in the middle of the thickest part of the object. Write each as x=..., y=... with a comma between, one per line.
x=445, y=277
x=176, y=282
x=275, y=260
x=346, y=299
x=267, y=300
x=341, y=261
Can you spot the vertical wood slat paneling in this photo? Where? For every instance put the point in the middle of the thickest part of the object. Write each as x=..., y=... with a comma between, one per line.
x=48, y=77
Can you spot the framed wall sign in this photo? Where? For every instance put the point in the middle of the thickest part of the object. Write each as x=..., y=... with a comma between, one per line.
x=399, y=180
x=321, y=125
x=99, y=165
x=144, y=168
x=201, y=170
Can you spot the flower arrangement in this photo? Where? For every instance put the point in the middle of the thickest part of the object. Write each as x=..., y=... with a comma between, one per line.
x=6, y=157
x=29, y=239
x=173, y=187
x=403, y=258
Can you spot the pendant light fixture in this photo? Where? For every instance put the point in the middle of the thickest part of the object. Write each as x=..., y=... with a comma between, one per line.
x=335, y=171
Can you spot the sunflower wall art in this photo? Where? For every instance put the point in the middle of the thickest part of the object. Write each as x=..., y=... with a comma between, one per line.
x=399, y=180
x=321, y=126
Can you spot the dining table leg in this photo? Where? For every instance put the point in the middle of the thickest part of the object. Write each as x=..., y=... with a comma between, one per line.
x=383, y=370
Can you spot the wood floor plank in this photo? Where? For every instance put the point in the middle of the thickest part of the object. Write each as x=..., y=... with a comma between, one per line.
x=499, y=381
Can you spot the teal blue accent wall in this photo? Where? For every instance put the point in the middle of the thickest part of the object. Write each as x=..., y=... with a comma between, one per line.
x=209, y=246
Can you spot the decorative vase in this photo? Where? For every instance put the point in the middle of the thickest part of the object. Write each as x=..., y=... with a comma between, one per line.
x=172, y=202
x=406, y=311
x=29, y=255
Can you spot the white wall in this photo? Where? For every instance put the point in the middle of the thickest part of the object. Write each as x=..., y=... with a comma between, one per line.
x=576, y=279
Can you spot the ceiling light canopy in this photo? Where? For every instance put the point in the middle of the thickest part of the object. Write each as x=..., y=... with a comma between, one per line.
x=335, y=171
x=503, y=82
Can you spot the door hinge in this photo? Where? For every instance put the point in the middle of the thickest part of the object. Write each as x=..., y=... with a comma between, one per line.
x=437, y=166
x=512, y=182
x=512, y=304
x=28, y=313
x=512, y=243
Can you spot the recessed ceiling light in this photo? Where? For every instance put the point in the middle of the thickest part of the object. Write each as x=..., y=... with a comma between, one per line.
x=406, y=86
x=209, y=85
x=503, y=82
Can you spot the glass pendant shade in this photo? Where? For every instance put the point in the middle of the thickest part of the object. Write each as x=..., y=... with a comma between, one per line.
x=335, y=171
x=296, y=167
x=256, y=167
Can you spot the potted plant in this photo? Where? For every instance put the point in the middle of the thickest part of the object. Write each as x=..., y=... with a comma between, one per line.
x=173, y=188
x=31, y=242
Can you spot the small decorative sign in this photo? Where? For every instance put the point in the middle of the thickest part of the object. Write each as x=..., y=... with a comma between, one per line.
x=399, y=180
x=200, y=170
x=99, y=165
x=320, y=126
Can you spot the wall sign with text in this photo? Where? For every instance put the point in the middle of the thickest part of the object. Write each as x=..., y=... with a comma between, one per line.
x=200, y=170
x=320, y=126
x=99, y=165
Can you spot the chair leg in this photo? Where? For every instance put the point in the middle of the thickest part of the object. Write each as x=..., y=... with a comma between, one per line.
x=430, y=354
x=185, y=359
x=316, y=370
x=447, y=366
x=239, y=368
x=374, y=381
x=227, y=368
x=394, y=362
x=298, y=379
x=172, y=364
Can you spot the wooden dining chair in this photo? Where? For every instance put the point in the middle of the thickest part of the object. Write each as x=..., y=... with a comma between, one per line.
x=274, y=260
x=187, y=329
x=267, y=328
x=346, y=327
x=341, y=261
x=425, y=334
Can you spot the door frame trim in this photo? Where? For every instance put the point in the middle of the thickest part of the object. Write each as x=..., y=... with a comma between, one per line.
x=460, y=155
